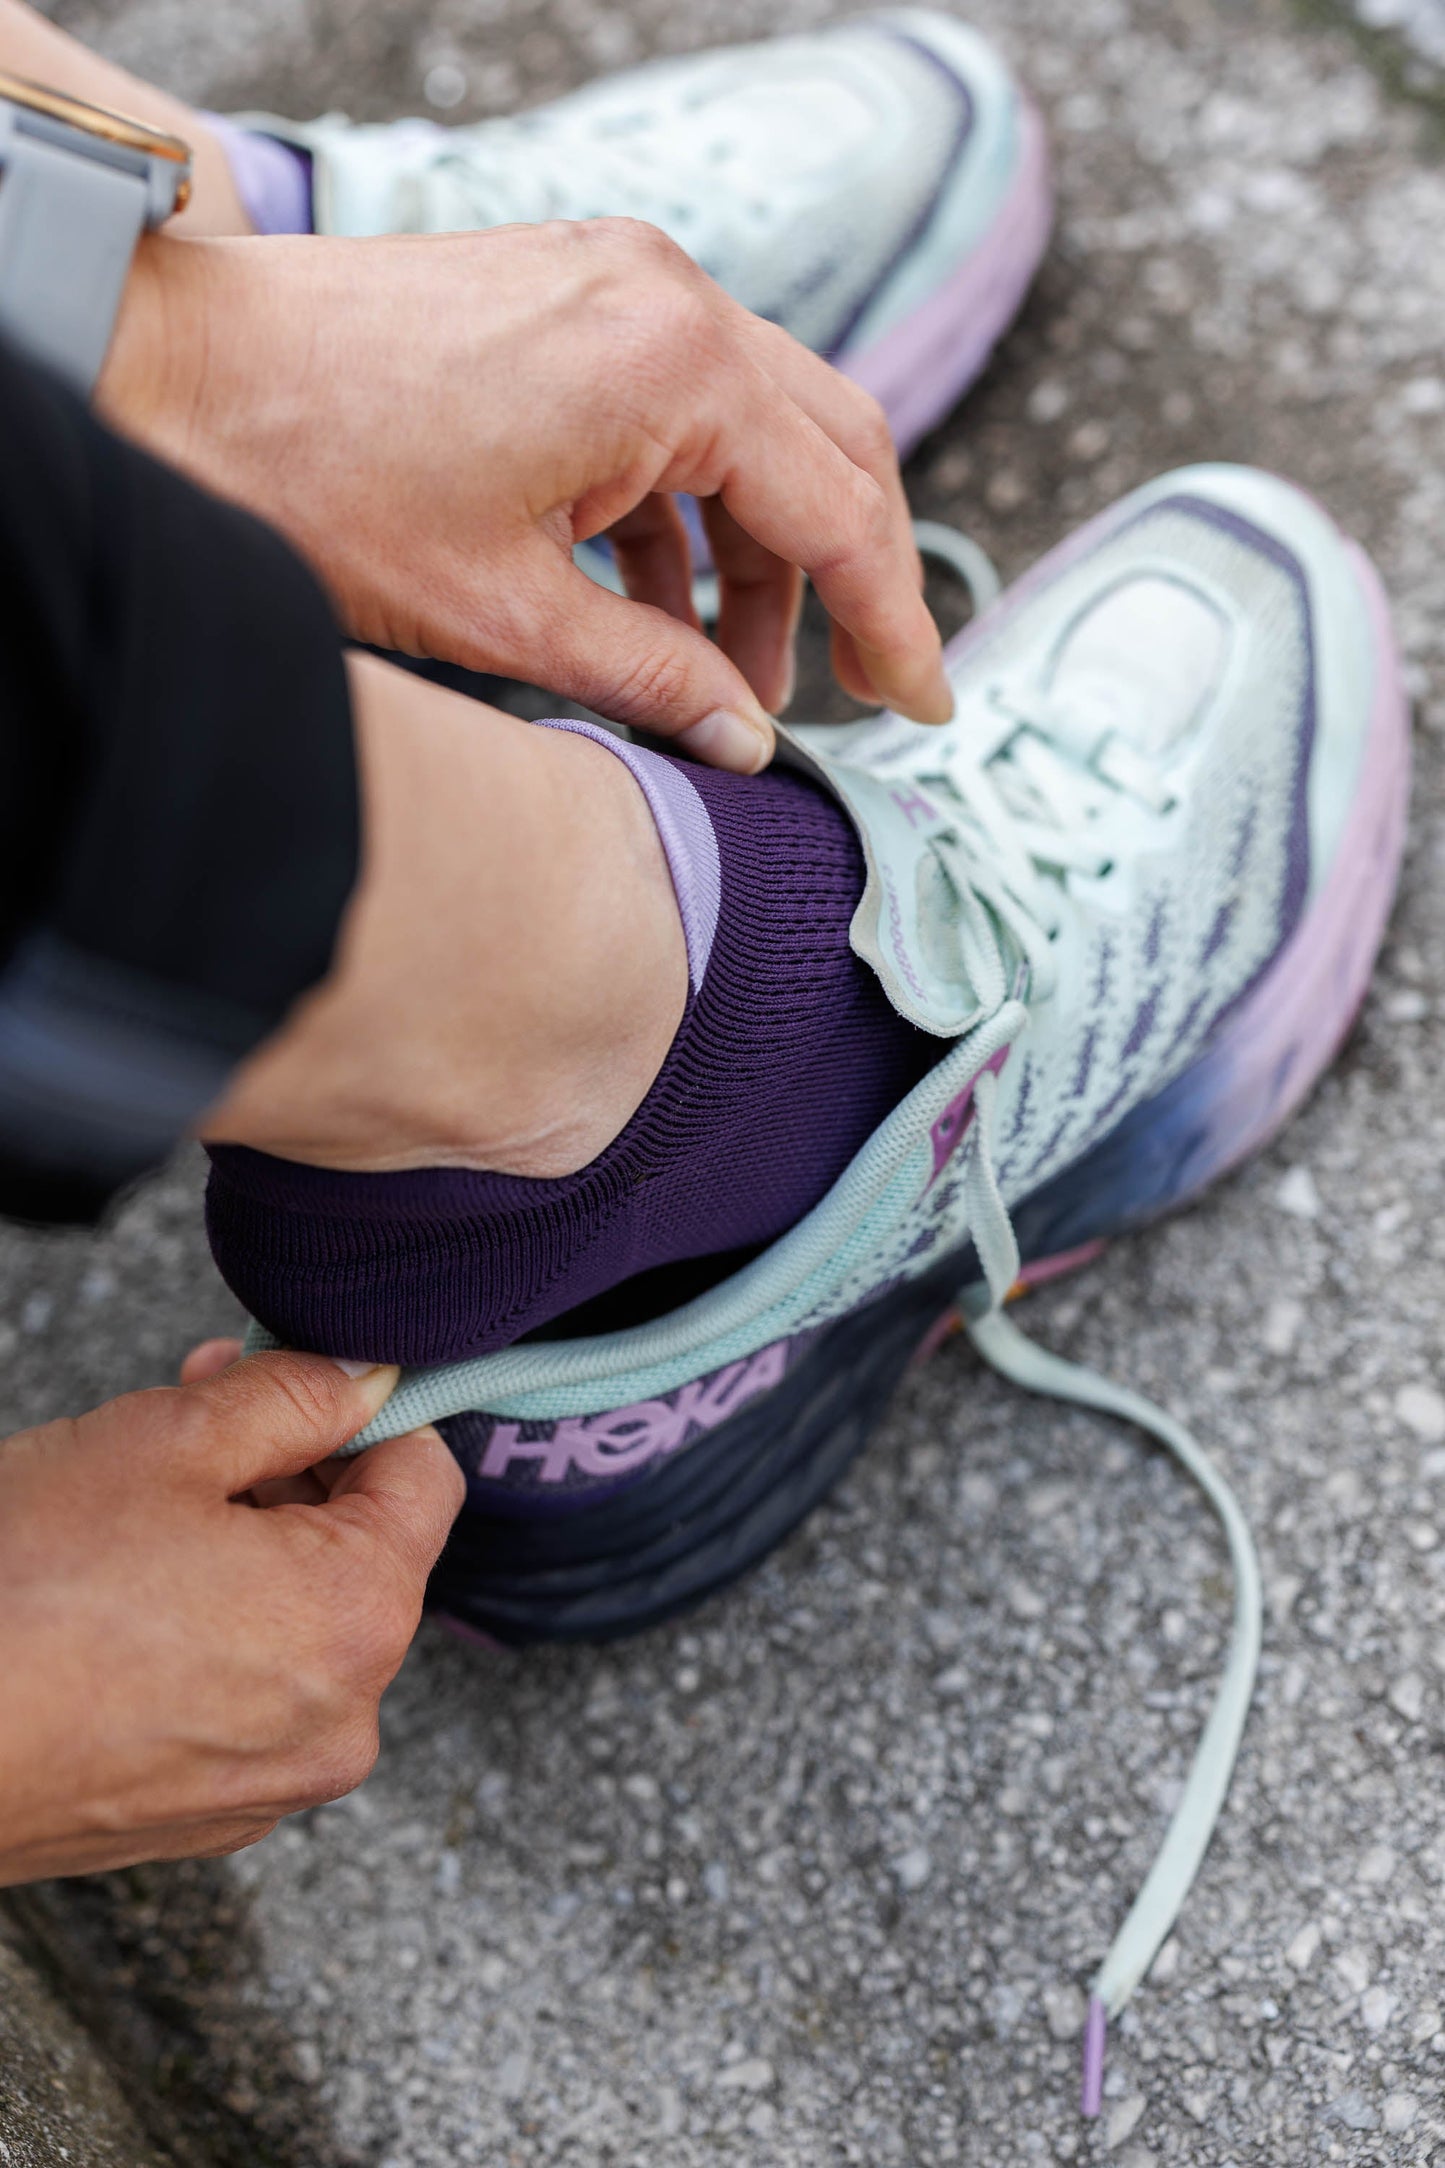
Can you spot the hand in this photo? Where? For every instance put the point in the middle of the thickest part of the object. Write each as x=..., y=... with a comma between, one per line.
x=185, y=1665
x=435, y=420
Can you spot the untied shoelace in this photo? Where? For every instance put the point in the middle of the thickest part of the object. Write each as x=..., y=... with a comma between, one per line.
x=1019, y=809
x=1019, y=814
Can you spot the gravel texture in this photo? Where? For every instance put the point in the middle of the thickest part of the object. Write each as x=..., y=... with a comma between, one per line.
x=818, y=1875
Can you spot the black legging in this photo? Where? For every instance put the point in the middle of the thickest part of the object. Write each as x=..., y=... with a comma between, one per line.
x=178, y=800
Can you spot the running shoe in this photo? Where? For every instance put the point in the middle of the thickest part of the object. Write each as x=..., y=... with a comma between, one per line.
x=880, y=188
x=1135, y=888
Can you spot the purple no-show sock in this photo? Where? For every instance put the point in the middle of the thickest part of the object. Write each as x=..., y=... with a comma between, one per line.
x=272, y=180
x=787, y=1058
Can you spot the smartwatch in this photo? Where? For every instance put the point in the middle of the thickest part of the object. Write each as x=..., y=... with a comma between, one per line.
x=78, y=188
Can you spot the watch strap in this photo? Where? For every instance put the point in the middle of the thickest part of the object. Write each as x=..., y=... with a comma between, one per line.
x=69, y=223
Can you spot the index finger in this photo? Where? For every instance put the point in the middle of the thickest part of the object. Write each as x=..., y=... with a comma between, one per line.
x=803, y=463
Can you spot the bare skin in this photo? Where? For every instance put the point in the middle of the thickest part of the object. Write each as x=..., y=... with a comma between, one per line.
x=512, y=968
x=200, y=1606
x=434, y=420
x=184, y=1663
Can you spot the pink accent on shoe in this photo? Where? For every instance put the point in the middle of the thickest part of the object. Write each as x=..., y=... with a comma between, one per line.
x=1091, y=2097
x=1053, y=1268
x=952, y=1126
x=925, y=364
x=625, y=1439
x=461, y=1631
x=943, y=1328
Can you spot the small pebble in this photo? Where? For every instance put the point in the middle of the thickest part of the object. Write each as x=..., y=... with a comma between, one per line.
x=1064, y=2012
x=1304, y=1947
x=1421, y=1409
x=912, y=1869
x=1123, y=2120
x=1353, y=2110
x=1282, y=1322
x=1298, y=1195
x=1400, y=2111
x=752, y=2075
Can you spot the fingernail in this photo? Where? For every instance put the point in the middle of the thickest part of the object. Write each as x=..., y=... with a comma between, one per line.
x=726, y=739
x=790, y=685
x=940, y=704
x=354, y=1369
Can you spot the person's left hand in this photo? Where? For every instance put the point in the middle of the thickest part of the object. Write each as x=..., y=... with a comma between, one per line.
x=435, y=420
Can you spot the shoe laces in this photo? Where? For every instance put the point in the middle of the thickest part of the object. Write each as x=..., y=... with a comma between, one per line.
x=1028, y=780
x=685, y=173
x=1025, y=782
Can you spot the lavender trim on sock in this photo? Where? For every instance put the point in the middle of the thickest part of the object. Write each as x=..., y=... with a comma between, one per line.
x=272, y=180
x=688, y=840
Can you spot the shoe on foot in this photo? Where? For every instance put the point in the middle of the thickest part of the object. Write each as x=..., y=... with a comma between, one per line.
x=880, y=188
x=1135, y=889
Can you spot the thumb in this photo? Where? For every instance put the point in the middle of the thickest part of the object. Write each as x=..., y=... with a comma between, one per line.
x=278, y=1413
x=406, y=1492
x=635, y=664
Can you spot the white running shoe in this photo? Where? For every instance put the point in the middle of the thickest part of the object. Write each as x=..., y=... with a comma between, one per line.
x=881, y=188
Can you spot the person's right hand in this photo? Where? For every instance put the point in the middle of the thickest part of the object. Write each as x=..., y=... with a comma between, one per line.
x=435, y=420
x=185, y=1664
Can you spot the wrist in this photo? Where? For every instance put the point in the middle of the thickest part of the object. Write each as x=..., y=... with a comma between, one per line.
x=152, y=375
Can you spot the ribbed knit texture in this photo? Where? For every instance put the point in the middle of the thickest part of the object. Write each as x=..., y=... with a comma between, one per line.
x=788, y=1057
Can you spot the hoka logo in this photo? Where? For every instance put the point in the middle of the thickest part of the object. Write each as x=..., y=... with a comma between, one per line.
x=624, y=1439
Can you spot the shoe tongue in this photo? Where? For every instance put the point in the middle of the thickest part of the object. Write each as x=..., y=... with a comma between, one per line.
x=1141, y=663
x=906, y=924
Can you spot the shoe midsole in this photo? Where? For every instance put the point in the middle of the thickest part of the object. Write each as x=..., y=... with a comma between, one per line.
x=924, y=365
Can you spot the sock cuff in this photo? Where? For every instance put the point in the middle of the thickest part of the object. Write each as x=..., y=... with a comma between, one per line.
x=688, y=840
x=272, y=180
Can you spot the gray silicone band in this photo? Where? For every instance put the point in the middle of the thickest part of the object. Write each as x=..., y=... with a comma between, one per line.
x=71, y=211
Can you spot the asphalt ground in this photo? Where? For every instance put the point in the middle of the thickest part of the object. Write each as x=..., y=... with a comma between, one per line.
x=817, y=1875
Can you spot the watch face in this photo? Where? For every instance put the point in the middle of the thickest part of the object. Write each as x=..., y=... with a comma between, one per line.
x=95, y=120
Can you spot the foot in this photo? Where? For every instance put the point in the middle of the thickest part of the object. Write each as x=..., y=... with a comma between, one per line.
x=1135, y=889
x=880, y=188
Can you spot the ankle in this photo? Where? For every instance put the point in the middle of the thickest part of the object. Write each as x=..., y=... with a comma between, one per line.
x=512, y=969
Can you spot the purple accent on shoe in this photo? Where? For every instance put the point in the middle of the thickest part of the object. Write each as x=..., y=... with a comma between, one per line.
x=272, y=179
x=1287, y=1028
x=925, y=364
x=788, y=1057
x=1217, y=515
x=963, y=129
x=953, y=1123
x=912, y=803
x=523, y=1470
x=688, y=842
x=1270, y=1048
x=1096, y=2029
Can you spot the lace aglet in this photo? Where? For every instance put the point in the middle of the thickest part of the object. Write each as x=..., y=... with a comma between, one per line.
x=1095, y=2028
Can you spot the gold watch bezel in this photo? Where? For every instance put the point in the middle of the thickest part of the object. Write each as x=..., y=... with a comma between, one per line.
x=98, y=120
